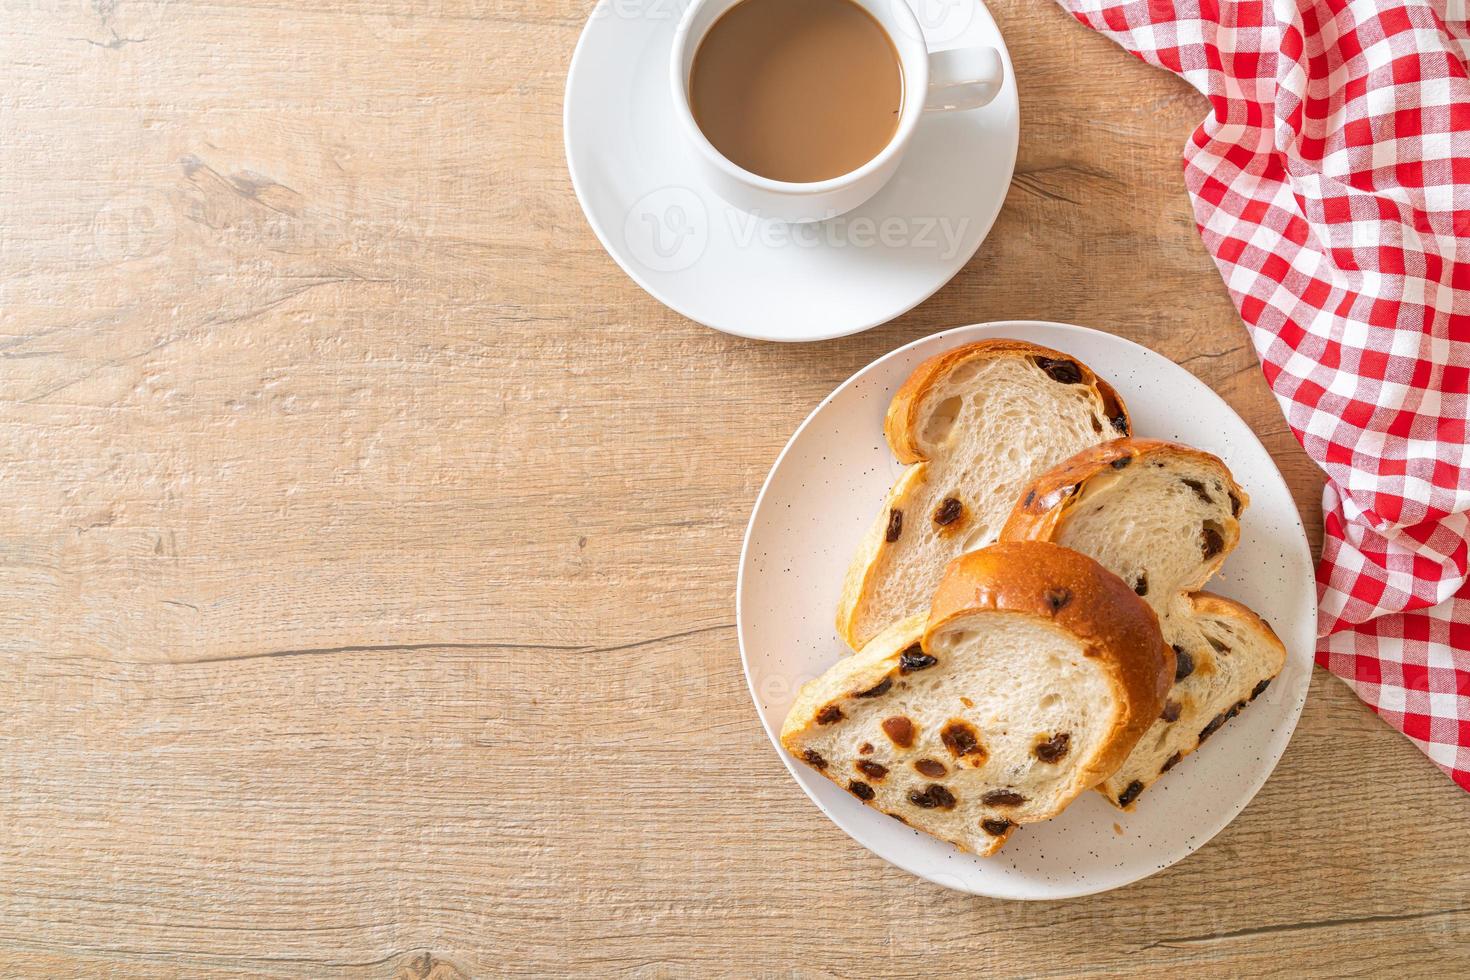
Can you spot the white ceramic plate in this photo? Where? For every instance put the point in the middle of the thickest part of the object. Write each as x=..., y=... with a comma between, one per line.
x=760, y=278
x=819, y=498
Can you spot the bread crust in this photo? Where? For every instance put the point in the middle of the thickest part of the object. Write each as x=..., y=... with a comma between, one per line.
x=1041, y=514
x=871, y=664
x=900, y=424
x=1050, y=497
x=864, y=563
x=868, y=667
x=1211, y=604
x=1064, y=590
x=1069, y=589
x=901, y=429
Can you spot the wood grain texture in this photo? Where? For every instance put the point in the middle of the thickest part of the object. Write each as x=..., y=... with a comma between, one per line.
x=368, y=541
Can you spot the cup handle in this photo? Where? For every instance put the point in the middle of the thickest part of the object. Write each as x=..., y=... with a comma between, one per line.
x=963, y=78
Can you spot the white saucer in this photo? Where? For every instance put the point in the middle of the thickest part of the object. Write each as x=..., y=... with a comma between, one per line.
x=759, y=278
x=817, y=502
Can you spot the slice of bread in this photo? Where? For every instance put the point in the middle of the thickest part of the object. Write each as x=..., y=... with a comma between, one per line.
x=974, y=425
x=1037, y=673
x=1163, y=517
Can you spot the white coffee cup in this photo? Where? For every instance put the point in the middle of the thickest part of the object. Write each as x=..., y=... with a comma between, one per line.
x=958, y=79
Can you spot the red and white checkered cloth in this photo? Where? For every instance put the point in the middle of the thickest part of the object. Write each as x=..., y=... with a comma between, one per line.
x=1331, y=183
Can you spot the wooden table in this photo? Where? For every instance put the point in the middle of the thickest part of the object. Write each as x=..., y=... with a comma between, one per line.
x=368, y=543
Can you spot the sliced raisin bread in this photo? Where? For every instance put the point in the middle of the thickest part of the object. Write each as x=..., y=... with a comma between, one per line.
x=1163, y=517
x=1037, y=673
x=974, y=425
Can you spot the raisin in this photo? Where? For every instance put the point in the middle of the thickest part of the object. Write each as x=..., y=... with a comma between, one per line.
x=1171, y=711
x=865, y=749
x=1030, y=496
x=878, y=689
x=1199, y=490
x=899, y=730
x=1066, y=372
x=895, y=526
x=861, y=790
x=914, y=658
x=995, y=826
x=1213, y=726
x=1170, y=763
x=1130, y=793
x=1057, y=599
x=814, y=759
x=933, y=796
x=1210, y=542
x=1054, y=748
x=948, y=512
x=961, y=739
x=1234, y=505
x=872, y=769
x=1140, y=584
x=1219, y=646
x=1260, y=688
x=930, y=768
x=1120, y=423
x=830, y=714
x=1002, y=797
x=1183, y=663
x=1121, y=462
